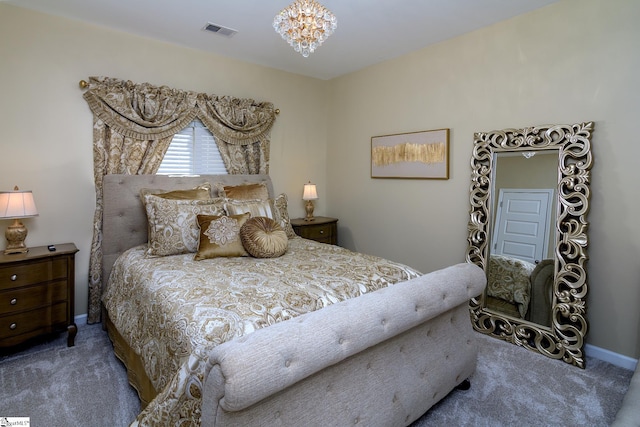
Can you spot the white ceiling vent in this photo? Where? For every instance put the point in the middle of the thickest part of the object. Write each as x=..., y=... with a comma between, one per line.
x=219, y=29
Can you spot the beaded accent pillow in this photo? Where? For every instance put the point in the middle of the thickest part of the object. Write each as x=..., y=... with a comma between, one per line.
x=220, y=236
x=263, y=237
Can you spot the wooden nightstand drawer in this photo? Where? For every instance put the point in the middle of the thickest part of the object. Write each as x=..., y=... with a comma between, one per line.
x=318, y=232
x=32, y=322
x=31, y=297
x=321, y=229
x=13, y=276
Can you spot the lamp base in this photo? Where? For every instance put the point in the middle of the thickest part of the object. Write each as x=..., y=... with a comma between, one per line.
x=15, y=234
x=16, y=251
x=309, y=208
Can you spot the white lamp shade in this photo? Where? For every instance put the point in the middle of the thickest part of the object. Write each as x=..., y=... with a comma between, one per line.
x=17, y=204
x=309, y=192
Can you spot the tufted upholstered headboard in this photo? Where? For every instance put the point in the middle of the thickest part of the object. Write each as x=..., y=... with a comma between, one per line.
x=124, y=221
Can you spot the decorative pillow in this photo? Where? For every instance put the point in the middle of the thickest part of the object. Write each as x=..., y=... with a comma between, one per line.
x=282, y=215
x=263, y=237
x=220, y=236
x=243, y=192
x=173, y=228
x=201, y=192
x=254, y=207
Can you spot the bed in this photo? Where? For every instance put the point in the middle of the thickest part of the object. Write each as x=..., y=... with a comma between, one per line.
x=508, y=284
x=521, y=289
x=193, y=332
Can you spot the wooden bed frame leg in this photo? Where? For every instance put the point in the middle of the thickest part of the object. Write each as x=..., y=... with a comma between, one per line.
x=464, y=385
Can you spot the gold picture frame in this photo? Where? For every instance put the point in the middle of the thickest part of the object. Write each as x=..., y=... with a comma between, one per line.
x=413, y=155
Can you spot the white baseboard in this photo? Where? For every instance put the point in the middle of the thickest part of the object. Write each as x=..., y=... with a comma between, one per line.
x=80, y=319
x=620, y=360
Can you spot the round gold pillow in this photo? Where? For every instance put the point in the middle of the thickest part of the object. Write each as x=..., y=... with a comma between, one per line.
x=263, y=237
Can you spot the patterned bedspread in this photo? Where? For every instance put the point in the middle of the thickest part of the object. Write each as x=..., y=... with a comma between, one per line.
x=173, y=310
x=509, y=279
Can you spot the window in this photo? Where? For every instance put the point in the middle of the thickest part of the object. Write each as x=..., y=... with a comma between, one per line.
x=193, y=151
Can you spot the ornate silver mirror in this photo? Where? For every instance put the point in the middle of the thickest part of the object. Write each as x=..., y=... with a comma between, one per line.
x=528, y=230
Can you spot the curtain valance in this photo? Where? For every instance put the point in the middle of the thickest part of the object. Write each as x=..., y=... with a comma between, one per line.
x=145, y=111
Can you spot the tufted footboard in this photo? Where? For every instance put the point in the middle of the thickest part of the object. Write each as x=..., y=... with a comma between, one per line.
x=629, y=414
x=381, y=359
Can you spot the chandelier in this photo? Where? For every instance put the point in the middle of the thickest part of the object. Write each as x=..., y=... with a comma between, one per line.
x=305, y=25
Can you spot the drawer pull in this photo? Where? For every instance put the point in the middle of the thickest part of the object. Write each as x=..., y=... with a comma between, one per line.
x=13, y=326
x=321, y=231
x=13, y=301
x=14, y=277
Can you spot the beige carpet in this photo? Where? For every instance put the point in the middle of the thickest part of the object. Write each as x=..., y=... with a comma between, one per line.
x=513, y=386
x=86, y=385
x=60, y=386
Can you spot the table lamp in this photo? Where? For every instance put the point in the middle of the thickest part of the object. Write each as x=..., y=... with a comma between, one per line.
x=309, y=194
x=15, y=205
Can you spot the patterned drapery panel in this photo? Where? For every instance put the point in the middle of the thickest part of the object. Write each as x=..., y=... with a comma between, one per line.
x=133, y=126
x=242, y=130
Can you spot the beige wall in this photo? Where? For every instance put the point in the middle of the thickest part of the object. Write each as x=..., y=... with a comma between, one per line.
x=573, y=61
x=46, y=126
x=569, y=62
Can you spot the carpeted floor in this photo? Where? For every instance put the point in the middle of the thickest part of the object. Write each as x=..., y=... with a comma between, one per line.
x=86, y=385
x=513, y=386
x=60, y=386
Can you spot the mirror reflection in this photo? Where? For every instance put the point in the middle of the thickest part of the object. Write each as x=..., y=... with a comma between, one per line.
x=521, y=266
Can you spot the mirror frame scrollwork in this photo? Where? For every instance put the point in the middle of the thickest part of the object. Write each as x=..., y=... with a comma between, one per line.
x=565, y=338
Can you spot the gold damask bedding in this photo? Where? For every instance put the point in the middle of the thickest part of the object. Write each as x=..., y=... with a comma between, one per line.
x=509, y=280
x=173, y=310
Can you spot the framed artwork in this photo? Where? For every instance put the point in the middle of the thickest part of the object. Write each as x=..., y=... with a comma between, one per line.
x=419, y=155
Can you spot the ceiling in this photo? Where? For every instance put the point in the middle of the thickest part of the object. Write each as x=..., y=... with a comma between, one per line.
x=369, y=31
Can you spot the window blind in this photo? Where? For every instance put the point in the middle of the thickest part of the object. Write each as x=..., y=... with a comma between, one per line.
x=193, y=151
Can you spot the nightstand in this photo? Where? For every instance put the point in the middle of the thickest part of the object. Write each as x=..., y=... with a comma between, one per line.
x=37, y=294
x=321, y=229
